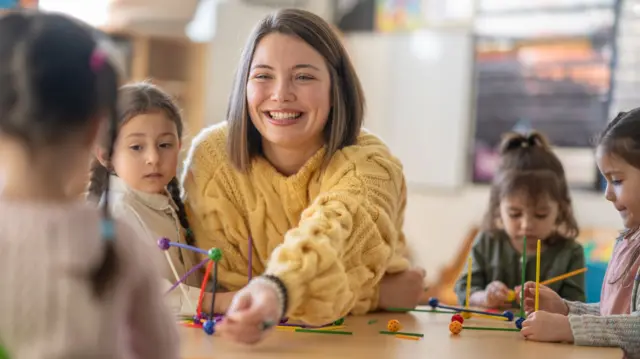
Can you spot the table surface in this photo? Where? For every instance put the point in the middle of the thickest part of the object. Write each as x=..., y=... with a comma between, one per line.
x=367, y=342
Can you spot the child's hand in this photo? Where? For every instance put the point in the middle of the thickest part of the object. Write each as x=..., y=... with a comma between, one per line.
x=547, y=327
x=251, y=308
x=549, y=300
x=402, y=290
x=496, y=294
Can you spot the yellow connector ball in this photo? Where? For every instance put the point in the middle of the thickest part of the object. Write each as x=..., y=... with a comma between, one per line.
x=466, y=315
x=393, y=325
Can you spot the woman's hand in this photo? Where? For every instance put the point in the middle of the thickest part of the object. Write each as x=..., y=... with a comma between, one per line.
x=402, y=290
x=253, y=310
x=549, y=300
x=547, y=327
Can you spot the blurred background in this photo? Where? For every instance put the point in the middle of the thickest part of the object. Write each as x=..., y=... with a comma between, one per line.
x=443, y=80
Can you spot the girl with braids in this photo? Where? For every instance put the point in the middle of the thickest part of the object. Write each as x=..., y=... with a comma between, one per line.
x=144, y=188
x=72, y=278
x=615, y=321
x=529, y=197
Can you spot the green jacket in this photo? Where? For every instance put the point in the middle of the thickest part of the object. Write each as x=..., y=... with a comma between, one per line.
x=494, y=258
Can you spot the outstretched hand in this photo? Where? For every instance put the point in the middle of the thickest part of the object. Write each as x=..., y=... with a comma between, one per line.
x=253, y=310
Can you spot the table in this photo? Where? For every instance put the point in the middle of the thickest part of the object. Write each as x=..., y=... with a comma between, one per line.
x=366, y=342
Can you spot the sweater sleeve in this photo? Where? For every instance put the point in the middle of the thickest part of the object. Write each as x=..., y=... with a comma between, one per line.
x=573, y=288
x=579, y=308
x=478, y=278
x=334, y=259
x=608, y=331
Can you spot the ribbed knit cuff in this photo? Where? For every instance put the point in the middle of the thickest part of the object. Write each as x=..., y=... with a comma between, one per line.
x=581, y=332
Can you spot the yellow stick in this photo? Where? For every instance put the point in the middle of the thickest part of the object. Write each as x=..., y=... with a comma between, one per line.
x=469, y=263
x=399, y=336
x=564, y=276
x=537, y=300
x=335, y=327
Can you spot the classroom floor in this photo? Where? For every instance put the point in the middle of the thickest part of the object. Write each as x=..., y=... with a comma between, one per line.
x=367, y=342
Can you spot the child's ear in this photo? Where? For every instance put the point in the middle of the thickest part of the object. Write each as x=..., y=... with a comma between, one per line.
x=101, y=156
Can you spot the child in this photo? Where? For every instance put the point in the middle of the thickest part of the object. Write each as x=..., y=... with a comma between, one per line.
x=615, y=321
x=529, y=197
x=73, y=281
x=144, y=188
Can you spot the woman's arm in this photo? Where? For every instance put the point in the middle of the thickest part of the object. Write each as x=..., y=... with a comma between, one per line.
x=573, y=289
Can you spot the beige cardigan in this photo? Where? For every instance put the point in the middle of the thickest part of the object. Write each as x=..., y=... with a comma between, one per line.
x=153, y=216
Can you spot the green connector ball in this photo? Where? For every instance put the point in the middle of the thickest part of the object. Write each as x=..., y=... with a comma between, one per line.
x=339, y=321
x=215, y=254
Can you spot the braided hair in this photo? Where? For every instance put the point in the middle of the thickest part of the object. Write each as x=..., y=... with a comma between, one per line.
x=137, y=99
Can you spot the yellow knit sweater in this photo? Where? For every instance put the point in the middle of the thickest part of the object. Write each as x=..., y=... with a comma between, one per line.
x=329, y=235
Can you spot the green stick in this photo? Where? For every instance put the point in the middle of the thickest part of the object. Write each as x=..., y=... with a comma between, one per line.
x=524, y=272
x=494, y=329
x=323, y=331
x=372, y=321
x=419, y=310
x=402, y=333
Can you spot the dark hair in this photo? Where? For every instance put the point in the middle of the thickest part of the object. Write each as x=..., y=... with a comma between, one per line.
x=138, y=99
x=347, y=97
x=55, y=80
x=528, y=165
x=620, y=138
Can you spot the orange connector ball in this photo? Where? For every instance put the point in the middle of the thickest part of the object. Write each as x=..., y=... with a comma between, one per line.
x=393, y=325
x=466, y=315
x=455, y=327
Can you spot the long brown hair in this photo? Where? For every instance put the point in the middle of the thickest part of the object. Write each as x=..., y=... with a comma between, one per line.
x=528, y=165
x=137, y=99
x=347, y=97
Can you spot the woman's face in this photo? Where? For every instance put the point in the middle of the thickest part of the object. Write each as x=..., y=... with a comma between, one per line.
x=288, y=93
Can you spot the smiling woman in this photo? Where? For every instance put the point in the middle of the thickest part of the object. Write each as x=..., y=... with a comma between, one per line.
x=322, y=199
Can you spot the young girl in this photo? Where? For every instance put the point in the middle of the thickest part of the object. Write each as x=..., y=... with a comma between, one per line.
x=144, y=188
x=615, y=321
x=74, y=282
x=529, y=197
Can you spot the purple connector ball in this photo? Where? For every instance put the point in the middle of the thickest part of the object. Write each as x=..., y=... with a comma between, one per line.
x=284, y=320
x=433, y=302
x=519, y=323
x=209, y=327
x=163, y=243
x=507, y=314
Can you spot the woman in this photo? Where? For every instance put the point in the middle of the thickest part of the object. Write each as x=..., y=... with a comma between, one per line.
x=322, y=199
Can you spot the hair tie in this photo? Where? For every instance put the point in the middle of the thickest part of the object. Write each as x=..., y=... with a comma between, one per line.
x=98, y=58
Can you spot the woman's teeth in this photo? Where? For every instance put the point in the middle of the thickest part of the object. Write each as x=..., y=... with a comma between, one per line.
x=284, y=115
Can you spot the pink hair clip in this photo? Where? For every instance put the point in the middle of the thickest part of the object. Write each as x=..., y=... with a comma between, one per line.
x=98, y=58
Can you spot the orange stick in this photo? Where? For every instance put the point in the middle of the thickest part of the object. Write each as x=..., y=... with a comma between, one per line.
x=564, y=276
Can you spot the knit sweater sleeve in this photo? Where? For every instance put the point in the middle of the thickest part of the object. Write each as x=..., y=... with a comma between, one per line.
x=579, y=308
x=608, y=331
x=334, y=259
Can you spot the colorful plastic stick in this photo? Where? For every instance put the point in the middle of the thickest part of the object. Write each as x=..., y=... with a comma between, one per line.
x=386, y=332
x=564, y=276
x=537, y=298
x=524, y=273
x=494, y=329
x=319, y=331
x=250, y=258
x=433, y=302
x=184, y=277
x=469, y=263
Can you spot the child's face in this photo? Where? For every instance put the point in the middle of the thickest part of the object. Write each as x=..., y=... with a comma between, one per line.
x=623, y=186
x=533, y=219
x=146, y=152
